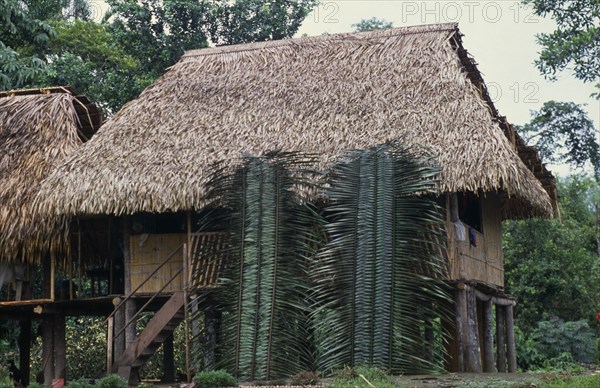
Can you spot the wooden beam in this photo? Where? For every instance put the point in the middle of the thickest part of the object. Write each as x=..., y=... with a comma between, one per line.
x=500, y=338
x=510, y=339
x=488, y=338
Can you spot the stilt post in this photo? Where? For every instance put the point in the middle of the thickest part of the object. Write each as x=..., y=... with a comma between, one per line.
x=48, y=348
x=25, y=350
x=460, y=308
x=488, y=338
x=500, y=338
x=510, y=339
x=473, y=359
x=60, y=351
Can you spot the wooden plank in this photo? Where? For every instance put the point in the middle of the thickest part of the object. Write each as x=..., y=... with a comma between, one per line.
x=151, y=331
x=147, y=253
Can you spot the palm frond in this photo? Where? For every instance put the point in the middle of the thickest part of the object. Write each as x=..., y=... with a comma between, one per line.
x=378, y=280
x=264, y=282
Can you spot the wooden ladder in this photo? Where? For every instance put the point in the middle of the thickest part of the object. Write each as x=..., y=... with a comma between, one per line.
x=160, y=327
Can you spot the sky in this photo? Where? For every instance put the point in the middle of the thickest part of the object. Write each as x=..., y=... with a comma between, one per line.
x=499, y=34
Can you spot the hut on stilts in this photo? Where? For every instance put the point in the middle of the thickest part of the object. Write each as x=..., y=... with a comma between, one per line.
x=146, y=170
x=38, y=129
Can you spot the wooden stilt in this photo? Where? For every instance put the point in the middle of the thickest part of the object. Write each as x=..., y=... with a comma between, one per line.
x=110, y=343
x=473, y=359
x=451, y=350
x=510, y=340
x=60, y=345
x=212, y=319
x=119, y=322
x=25, y=350
x=168, y=361
x=130, y=305
x=488, y=338
x=79, y=266
x=48, y=348
x=460, y=308
x=500, y=338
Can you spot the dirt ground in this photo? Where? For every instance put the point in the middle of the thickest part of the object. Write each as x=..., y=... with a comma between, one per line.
x=468, y=380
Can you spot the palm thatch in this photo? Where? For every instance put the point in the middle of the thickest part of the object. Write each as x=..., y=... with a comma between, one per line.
x=320, y=95
x=38, y=129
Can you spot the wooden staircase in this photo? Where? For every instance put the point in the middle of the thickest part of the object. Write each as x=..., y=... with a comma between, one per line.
x=160, y=327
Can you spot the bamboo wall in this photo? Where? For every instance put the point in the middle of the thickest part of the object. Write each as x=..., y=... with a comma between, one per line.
x=148, y=251
x=485, y=262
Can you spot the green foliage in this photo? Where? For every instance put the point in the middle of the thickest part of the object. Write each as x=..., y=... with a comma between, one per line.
x=214, y=378
x=112, y=381
x=585, y=381
x=362, y=376
x=21, y=39
x=88, y=57
x=378, y=285
x=554, y=338
x=551, y=266
x=372, y=24
x=156, y=33
x=264, y=286
x=575, y=42
x=81, y=383
x=562, y=132
x=244, y=21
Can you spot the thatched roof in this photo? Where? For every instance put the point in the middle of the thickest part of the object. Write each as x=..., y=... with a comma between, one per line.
x=38, y=129
x=322, y=95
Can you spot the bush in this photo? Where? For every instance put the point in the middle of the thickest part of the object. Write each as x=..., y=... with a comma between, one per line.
x=215, y=378
x=555, y=336
x=556, y=344
x=79, y=384
x=305, y=378
x=563, y=362
x=112, y=381
x=355, y=377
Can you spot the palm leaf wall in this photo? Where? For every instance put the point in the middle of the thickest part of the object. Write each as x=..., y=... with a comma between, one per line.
x=263, y=293
x=378, y=280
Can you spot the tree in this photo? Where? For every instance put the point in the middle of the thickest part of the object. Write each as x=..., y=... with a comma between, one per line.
x=85, y=55
x=244, y=21
x=156, y=33
x=21, y=38
x=562, y=132
x=576, y=40
x=551, y=266
x=372, y=24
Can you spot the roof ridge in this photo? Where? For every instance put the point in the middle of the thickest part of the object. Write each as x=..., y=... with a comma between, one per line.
x=397, y=31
